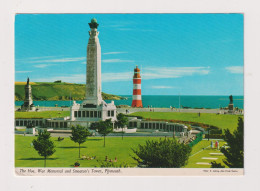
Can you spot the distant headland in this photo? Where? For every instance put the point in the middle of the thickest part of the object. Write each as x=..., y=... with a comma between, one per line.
x=57, y=90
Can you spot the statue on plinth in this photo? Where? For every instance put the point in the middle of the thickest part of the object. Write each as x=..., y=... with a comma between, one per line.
x=230, y=99
x=230, y=105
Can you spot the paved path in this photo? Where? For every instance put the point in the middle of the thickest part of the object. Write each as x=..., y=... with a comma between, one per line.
x=132, y=110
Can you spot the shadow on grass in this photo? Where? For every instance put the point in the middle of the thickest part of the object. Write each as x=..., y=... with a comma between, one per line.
x=94, y=139
x=75, y=147
x=37, y=159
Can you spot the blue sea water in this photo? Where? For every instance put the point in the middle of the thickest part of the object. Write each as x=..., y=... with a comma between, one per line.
x=160, y=101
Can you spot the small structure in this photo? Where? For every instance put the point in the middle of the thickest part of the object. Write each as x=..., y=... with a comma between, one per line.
x=137, y=96
x=28, y=102
x=30, y=128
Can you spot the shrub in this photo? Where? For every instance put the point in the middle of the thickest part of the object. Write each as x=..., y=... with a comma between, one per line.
x=162, y=153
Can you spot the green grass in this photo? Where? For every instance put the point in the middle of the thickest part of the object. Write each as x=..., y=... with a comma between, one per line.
x=22, y=130
x=198, y=152
x=221, y=121
x=57, y=91
x=41, y=114
x=67, y=151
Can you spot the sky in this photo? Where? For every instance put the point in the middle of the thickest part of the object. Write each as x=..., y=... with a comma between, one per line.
x=187, y=54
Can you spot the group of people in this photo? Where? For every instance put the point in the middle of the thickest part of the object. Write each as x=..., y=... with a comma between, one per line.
x=110, y=160
x=216, y=145
x=84, y=157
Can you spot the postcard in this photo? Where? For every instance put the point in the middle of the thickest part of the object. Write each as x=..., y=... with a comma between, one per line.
x=129, y=94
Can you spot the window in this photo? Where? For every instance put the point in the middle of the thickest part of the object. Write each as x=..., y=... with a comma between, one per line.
x=87, y=113
x=112, y=113
x=65, y=124
x=25, y=123
x=75, y=114
x=83, y=113
x=142, y=125
x=21, y=123
x=37, y=123
x=108, y=113
x=17, y=123
x=91, y=113
x=135, y=124
x=40, y=123
x=95, y=114
x=79, y=113
x=99, y=114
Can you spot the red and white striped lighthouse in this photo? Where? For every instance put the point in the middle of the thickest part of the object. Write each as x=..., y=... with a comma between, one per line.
x=137, y=96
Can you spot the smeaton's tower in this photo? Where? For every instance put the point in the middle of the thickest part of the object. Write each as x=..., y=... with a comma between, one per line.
x=93, y=108
x=137, y=96
x=28, y=102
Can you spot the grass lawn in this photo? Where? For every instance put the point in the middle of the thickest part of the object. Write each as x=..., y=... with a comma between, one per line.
x=198, y=152
x=221, y=121
x=67, y=151
x=41, y=114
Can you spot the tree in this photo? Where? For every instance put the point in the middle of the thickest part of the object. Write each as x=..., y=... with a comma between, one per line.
x=79, y=135
x=121, y=122
x=94, y=126
x=234, y=153
x=43, y=145
x=214, y=164
x=163, y=153
x=104, y=128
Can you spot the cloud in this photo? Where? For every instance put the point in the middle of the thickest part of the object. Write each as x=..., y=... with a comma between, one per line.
x=162, y=87
x=58, y=60
x=43, y=65
x=35, y=58
x=235, y=69
x=173, y=72
x=22, y=71
x=120, y=76
x=116, y=60
x=114, y=53
x=72, y=78
x=157, y=73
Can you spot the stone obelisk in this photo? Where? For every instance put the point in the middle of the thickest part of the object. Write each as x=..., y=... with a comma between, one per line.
x=93, y=75
x=28, y=102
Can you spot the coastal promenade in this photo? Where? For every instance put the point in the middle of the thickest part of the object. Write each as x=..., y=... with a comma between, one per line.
x=132, y=110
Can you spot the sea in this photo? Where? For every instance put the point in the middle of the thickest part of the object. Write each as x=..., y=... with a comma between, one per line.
x=161, y=101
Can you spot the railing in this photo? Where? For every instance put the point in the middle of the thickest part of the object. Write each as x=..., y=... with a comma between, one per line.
x=199, y=137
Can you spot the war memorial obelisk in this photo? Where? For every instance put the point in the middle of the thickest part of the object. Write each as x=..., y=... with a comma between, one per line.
x=28, y=102
x=93, y=108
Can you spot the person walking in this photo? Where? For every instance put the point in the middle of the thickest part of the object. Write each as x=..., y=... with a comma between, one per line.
x=217, y=145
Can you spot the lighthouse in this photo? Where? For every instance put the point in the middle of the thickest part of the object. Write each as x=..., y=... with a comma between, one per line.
x=137, y=96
